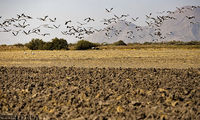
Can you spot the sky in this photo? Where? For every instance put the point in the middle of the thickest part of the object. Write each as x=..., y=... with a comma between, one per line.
x=78, y=10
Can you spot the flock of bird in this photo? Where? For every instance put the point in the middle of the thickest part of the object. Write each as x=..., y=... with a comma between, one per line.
x=20, y=24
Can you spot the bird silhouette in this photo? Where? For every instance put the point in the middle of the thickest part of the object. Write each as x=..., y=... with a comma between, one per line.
x=150, y=34
x=18, y=16
x=135, y=19
x=148, y=23
x=190, y=17
x=127, y=23
x=6, y=30
x=56, y=26
x=131, y=37
x=43, y=19
x=45, y=34
x=22, y=25
x=15, y=33
x=148, y=16
x=116, y=16
x=124, y=15
x=180, y=10
x=139, y=28
x=81, y=23
x=170, y=12
x=27, y=33
x=109, y=10
x=67, y=22
x=36, y=30
x=88, y=19
x=52, y=20
x=26, y=16
x=161, y=12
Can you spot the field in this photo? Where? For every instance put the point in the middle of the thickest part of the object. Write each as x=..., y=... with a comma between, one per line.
x=101, y=84
x=142, y=58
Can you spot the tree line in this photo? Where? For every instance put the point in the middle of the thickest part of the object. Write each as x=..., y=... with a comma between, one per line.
x=58, y=44
x=62, y=44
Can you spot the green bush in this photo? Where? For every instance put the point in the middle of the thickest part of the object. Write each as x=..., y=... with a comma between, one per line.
x=193, y=43
x=84, y=45
x=175, y=42
x=58, y=44
x=19, y=45
x=48, y=46
x=35, y=44
x=55, y=44
x=3, y=45
x=119, y=43
x=148, y=43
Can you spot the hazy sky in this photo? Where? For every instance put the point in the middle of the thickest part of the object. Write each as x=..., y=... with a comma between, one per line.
x=77, y=10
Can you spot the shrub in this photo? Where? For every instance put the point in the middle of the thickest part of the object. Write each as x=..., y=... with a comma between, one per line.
x=58, y=44
x=119, y=43
x=84, y=45
x=3, y=45
x=175, y=42
x=193, y=43
x=48, y=46
x=55, y=44
x=147, y=43
x=19, y=45
x=35, y=44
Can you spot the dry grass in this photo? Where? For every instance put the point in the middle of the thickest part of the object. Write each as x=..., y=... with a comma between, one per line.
x=142, y=58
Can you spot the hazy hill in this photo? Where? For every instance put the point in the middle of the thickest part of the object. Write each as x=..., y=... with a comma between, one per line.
x=183, y=29
x=180, y=29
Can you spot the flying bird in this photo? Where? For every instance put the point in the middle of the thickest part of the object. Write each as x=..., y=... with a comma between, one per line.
x=116, y=16
x=45, y=34
x=135, y=19
x=36, y=30
x=81, y=23
x=161, y=12
x=127, y=23
x=15, y=33
x=52, y=20
x=27, y=33
x=180, y=9
x=22, y=25
x=131, y=37
x=27, y=16
x=6, y=30
x=124, y=15
x=130, y=32
x=67, y=22
x=170, y=12
x=190, y=17
x=18, y=16
x=64, y=32
x=43, y=19
x=89, y=19
x=148, y=16
x=149, y=24
x=109, y=10
x=56, y=26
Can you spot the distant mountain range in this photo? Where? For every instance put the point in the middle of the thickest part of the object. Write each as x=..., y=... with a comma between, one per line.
x=185, y=26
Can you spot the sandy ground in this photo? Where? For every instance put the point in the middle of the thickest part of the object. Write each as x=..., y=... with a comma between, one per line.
x=150, y=58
